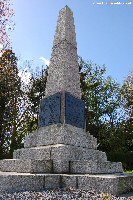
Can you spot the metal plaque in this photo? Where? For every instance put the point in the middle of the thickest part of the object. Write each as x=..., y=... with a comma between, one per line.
x=75, y=111
x=50, y=110
x=62, y=108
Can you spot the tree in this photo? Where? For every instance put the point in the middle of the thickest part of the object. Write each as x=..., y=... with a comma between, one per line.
x=127, y=92
x=6, y=23
x=127, y=123
x=8, y=71
x=103, y=102
x=19, y=103
x=11, y=105
x=35, y=94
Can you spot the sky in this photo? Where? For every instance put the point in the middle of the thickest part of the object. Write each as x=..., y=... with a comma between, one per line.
x=104, y=30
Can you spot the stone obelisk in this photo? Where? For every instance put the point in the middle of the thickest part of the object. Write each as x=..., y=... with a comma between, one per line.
x=63, y=72
x=61, y=153
x=62, y=102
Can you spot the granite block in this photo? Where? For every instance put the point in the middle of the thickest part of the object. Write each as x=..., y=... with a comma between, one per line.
x=99, y=184
x=61, y=134
x=60, y=166
x=52, y=181
x=61, y=151
x=94, y=167
x=109, y=167
x=15, y=182
x=113, y=184
x=68, y=181
x=61, y=154
x=101, y=156
x=41, y=166
x=83, y=167
x=69, y=152
x=16, y=154
x=89, y=154
x=36, y=153
x=125, y=184
x=26, y=166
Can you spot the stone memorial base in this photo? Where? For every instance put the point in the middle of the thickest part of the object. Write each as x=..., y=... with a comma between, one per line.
x=62, y=156
x=115, y=184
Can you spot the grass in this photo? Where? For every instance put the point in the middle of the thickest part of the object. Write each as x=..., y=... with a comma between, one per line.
x=131, y=171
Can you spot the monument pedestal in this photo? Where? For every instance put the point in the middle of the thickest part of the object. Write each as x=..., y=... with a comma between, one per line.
x=62, y=156
x=70, y=149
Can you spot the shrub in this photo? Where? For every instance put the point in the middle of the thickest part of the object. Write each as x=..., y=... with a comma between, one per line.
x=125, y=157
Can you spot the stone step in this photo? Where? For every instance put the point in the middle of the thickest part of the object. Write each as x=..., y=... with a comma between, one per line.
x=114, y=183
x=26, y=166
x=54, y=152
x=60, y=134
x=93, y=167
x=60, y=155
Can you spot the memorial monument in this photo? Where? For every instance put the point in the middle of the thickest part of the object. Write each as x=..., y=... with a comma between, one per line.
x=61, y=153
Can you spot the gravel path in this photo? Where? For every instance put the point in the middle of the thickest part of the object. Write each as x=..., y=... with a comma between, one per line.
x=59, y=194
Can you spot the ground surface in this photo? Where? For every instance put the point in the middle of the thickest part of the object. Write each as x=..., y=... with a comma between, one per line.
x=65, y=194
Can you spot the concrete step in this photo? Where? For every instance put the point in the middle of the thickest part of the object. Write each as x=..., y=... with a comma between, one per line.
x=93, y=167
x=114, y=183
x=26, y=166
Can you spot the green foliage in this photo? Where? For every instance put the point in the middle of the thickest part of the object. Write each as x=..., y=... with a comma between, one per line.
x=13, y=115
x=127, y=124
x=37, y=90
x=19, y=103
x=10, y=89
x=127, y=92
x=128, y=171
x=35, y=94
x=103, y=101
x=125, y=157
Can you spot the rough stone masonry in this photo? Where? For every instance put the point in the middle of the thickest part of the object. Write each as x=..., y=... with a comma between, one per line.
x=61, y=153
x=63, y=73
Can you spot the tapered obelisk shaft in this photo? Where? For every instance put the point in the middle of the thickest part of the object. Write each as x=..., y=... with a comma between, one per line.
x=63, y=72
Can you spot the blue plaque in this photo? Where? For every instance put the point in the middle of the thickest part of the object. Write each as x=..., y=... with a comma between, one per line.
x=62, y=108
x=50, y=110
x=75, y=111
